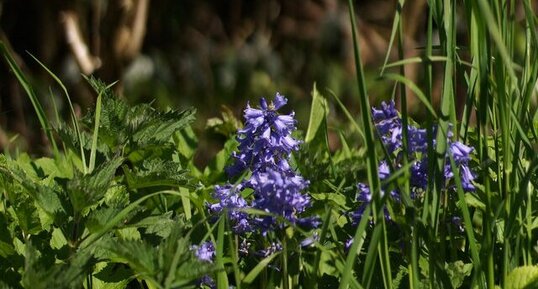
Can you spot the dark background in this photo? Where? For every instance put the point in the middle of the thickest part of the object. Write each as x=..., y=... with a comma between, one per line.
x=203, y=53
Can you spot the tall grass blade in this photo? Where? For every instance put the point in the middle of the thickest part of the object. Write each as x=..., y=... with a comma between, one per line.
x=74, y=118
x=41, y=116
x=372, y=171
x=222, y=277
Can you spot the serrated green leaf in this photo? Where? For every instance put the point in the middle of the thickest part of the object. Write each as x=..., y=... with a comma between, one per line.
x=58, y=239
x=458, y=271
x=473, y=201
x=402, y=272
x=154, y=173
x=6, y=245
x=39, y=273
x=156, y=127
x=111, y=276
x=129, y=234
x=48, y=198
x=160, y=225
x=138, y=255
x=86, y=190
x=335, y=197
x=525, y=277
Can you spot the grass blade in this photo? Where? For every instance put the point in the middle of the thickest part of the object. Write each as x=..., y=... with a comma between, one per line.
x=43, y=120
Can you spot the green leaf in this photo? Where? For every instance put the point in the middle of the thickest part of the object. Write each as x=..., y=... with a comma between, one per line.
x=40, y=112
x=46, y=197
x=155, y=172
x=334, y=197
x=399, y=277
x=251, y=276
x=87, y=190
x=58, y=239
x=130, y=234
x=40, y=273
x=6, y=242
x=100, y=217
x=160, y=225
x=138, y=255
x=458, y=271
x=215, y=169
x=226, y=125
x=152, y=127
x=472, y=201
x=318, y=116
x=525, y=277
x=186, y=142
x=111, y=276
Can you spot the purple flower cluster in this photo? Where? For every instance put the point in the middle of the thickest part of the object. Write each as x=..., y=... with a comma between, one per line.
x=390, y=130
x=265, y=146
x=265, y=141
x=205, y=253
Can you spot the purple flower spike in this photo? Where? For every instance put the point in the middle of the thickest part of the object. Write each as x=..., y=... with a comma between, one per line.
x=266, y=138
x=265, y=146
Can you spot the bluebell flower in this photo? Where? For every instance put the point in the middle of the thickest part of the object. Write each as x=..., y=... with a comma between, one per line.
x=265, y=146
x=278, y=193
x=460, y=152
x=205, y=252
x=383, y=170
x=389, y=127
x=458, y=223
x=467, y=178
x=419, y=174
x=364, y=196
x=417, y=139
x=310, y=240
x=266, y=139
x=348, y=244
x=273, y=248
x=229, y=198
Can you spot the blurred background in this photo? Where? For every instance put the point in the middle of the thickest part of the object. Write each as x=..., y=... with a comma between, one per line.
x=201, y=53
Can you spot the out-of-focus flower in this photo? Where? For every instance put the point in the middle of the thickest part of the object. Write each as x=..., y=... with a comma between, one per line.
x=389, y=127
x=390, y=130
x=364, y=196
x=458, y=223
x=273, y=248
x=310, y=240
x=205, y=252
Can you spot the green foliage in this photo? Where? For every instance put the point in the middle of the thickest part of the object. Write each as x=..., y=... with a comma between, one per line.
x=523, y=278
x=64, y=225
